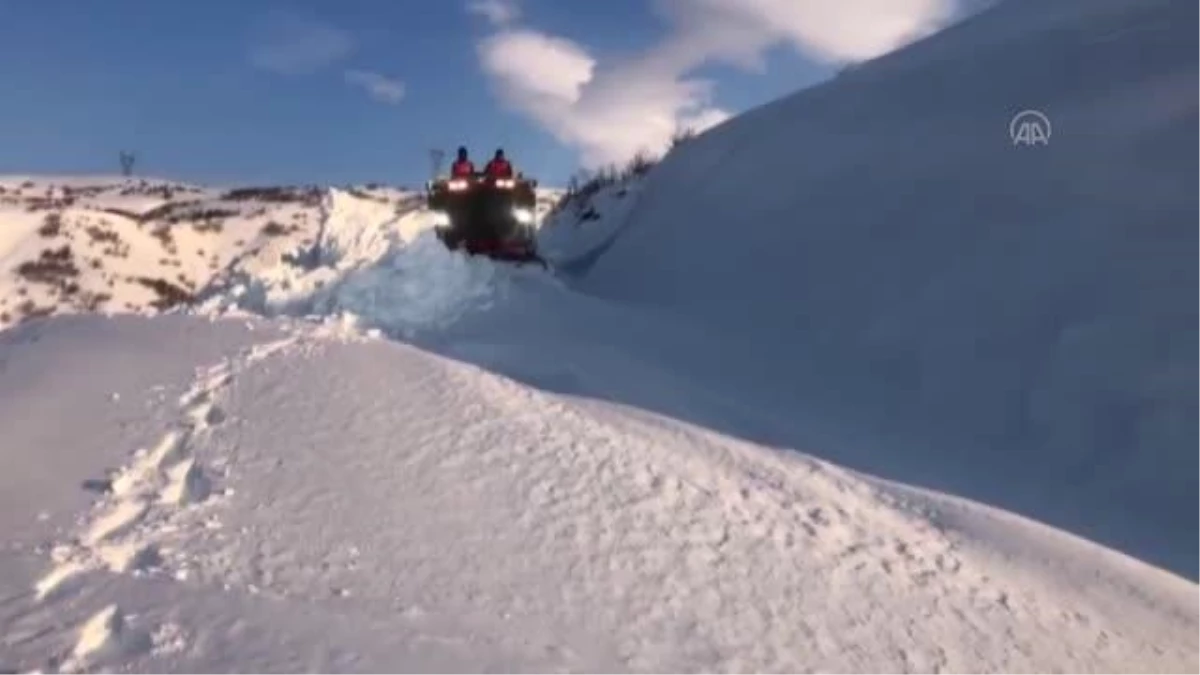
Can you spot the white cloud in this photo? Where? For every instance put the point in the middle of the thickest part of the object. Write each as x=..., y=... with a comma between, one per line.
x=610, y=111
x=292, y=44
x=380, y=87
x=737, y=31
x=608, y=116
x=499, y=12
x=551, y=70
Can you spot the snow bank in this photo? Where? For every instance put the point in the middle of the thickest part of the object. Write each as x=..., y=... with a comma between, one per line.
x=371, y=266
x=406, y=290
x=1017, y=324
x=300, y=503
x=350, y=232
x=368, y=269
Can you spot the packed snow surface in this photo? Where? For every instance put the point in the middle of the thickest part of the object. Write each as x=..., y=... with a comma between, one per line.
x=301, y=502
x=735, y=428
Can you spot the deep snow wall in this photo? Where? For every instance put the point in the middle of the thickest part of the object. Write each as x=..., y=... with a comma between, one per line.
x=1018, y=323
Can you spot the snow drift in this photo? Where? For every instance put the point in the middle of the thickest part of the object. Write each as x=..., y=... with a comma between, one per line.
x=1013, y=323
x=279, y=500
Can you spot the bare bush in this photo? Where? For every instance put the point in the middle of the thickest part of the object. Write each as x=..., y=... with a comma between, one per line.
x=274, y=229
x=51, y=225
x=164, y=236
x=29, y=310
x=276, y=194
x=92, y=301
x=681, y=136
x=277, y=229
x=54, y=267
x=100, y=235
x=169, y=295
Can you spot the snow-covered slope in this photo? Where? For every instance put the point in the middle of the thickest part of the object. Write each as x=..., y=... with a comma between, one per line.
x=935, y=304
x=585, y=224
x=132, y=245
x=297, y=502
x=238, y=494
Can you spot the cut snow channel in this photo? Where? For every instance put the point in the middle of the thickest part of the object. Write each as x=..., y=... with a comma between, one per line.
x=369, y=268
x=413, y=288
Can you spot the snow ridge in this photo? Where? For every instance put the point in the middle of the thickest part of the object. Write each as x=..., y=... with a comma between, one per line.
x=367, y=269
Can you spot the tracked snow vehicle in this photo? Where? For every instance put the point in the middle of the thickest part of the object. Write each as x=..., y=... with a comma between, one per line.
x=488, y=216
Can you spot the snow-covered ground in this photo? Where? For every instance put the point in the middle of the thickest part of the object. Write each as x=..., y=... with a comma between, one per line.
x=685, y=450
x=269, y=496
x=1016, y=324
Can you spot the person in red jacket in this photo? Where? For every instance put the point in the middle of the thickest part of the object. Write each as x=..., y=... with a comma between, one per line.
x=499, y=167
x=462, y=167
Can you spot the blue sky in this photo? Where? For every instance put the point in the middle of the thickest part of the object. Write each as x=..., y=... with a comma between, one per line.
x=241, y=91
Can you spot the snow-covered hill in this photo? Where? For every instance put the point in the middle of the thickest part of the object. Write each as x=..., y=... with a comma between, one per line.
x=125, y=245
x=117, y=245
x=255, y=496
x=355, y=451
x=1016, y=324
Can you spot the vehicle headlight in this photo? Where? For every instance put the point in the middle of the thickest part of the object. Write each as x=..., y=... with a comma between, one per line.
x=506, y=183
x=457, y=185
x=523, y=216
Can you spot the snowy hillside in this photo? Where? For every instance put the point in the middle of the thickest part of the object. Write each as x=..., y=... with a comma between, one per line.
x=871, y=415
x=114, y=245
x=1015, y=324
x=274, y=499
x=125, y=245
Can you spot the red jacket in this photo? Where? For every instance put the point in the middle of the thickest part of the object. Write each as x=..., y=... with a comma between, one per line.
x=499, y=168
x=462, y=169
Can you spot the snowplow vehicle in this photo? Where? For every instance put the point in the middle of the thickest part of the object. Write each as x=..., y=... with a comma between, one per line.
x=484, y=215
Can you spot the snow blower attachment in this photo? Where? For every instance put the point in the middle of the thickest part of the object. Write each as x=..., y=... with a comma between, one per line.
x=487, y=216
